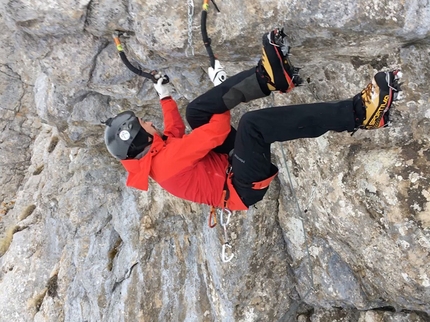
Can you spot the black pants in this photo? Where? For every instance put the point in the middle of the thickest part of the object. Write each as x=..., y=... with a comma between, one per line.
x=257, y=130
x=242, y=87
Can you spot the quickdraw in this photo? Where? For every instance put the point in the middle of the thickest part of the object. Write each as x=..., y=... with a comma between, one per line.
x=224, y=221
x=226, y=244
x=154, y=75
x=206, y=39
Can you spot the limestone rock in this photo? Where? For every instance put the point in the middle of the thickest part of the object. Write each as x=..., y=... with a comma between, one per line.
x=343, y=233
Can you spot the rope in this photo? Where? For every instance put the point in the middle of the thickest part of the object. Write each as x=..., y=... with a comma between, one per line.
x=299, y=212
x=289, y=316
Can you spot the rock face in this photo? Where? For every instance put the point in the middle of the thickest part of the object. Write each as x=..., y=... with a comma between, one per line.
x=343, y=234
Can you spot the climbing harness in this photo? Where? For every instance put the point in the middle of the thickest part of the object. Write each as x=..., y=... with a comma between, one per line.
x=190, y=47
x=206, y=39
x=153, y=75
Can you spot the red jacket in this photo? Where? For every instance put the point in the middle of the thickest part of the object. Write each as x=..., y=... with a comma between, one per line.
x=185, y=164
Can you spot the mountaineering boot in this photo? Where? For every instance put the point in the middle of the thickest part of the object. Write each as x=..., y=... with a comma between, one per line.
x=275, y=66
x=246, y=86
x=372, y=105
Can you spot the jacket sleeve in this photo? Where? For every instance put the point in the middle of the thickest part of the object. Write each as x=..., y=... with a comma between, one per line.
x=138, y=172
x=185, y=152
x=173, y=123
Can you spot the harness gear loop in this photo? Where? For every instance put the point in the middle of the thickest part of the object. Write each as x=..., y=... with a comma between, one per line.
x=190, y=47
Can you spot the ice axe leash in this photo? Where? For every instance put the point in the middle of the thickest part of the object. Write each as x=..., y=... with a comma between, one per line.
x=206, y=39
x=153, y=75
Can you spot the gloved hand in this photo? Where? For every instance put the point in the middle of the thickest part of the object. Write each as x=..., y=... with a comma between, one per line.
x=217, y=74
x=161, y=88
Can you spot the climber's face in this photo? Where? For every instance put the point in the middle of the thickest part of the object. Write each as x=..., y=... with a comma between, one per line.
x=149, y=128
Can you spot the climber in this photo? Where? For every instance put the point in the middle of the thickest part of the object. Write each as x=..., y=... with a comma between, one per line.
x=198, y=167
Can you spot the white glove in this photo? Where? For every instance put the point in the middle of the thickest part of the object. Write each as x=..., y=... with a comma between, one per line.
x=162, y=89
x=217, y=74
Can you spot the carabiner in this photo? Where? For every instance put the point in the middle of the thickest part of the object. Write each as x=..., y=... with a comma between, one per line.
x=188, y=50
x=212, y=218
x=228, y=212
x=224, y=257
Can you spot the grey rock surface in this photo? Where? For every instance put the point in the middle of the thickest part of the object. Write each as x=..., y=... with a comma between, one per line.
x=342, y=235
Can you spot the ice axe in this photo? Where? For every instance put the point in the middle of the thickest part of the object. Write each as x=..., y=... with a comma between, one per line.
x=153, y=75
x=206, y=39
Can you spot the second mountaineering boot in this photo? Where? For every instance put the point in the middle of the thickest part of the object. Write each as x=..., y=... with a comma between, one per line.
x=372, y=105
x=275, y=64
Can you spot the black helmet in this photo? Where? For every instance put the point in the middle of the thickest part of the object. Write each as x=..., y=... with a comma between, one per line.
x=124, y=137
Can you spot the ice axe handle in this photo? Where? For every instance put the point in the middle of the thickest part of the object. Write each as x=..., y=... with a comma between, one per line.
x=154, y=75
x=206, y=40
